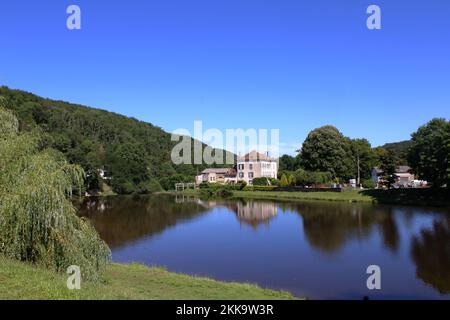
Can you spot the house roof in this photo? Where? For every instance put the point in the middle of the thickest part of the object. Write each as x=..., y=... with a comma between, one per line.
x=255, y=156
x=399, y=170
x=403, y=169
x=216, y=170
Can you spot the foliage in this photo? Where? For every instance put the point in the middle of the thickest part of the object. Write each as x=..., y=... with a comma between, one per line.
x=388, y=166
x=261, y=182
x=307, y=178
x=361, y=150
x=275, y=182
x=368, y=184
x=327, y=150
x=133, y=153
x=288, y=163
x=284, y=182
x=430, y=152
x=168, y=183
x=400, y=150
x=37, y=220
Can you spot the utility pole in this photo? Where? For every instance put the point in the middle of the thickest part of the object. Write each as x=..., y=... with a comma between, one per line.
x=359, y=170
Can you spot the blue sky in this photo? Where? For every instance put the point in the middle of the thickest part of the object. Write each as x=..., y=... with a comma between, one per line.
x=290, y=65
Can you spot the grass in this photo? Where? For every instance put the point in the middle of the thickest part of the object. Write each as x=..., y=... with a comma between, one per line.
x=416, y=197
x=349, y=196
x=19, y=280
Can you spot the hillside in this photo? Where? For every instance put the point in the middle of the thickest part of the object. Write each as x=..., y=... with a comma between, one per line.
x=400, y=149
x=135, y=154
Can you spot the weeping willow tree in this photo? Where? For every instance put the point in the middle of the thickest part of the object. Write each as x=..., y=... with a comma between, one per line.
x=37, y=220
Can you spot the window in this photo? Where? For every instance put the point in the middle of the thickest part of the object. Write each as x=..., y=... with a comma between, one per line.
x=241, y=174
x=250, y=166
x=250, y=175
x=241, y=167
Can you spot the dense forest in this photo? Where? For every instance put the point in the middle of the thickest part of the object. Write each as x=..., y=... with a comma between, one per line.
x=400, y=150
x=135, y=154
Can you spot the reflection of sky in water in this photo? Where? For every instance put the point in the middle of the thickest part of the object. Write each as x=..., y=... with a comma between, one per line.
x=315, y=249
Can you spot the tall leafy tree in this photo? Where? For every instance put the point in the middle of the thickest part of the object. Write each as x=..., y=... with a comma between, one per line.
x=327, y=150
x=364, y=158
x=389, y=167
x=430, y=152
x=38, y=223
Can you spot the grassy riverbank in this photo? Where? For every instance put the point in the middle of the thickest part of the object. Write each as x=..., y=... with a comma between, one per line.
x=20, y=280
x=416, y=197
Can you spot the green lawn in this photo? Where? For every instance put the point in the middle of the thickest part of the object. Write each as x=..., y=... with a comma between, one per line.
x=349, y=196
x=416, y=197
x=20, y=280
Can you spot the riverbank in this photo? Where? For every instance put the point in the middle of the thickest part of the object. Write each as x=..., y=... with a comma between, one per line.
x=19, y=280
x=413, y=197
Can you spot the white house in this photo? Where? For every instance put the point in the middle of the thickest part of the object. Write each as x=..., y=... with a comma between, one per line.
x=256, y=165
x=403, y=173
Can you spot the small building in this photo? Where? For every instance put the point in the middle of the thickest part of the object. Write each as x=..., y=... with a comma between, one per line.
x=256, y=165
x=217, y=175
x=403, y=173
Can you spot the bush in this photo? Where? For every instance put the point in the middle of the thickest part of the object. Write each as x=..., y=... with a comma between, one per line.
x=150, y=186
x=307, y=178
x=260, y=188
x=275, y=182
x=37, y=219
x=368, y=184
x=260, y=182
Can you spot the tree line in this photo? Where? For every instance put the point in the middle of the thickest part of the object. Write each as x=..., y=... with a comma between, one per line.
x=328, y=156
x=134, y=154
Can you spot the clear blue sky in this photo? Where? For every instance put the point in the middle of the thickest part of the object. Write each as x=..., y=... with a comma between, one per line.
x=293, y=65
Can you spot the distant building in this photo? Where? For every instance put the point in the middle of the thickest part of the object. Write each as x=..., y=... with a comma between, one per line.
x=252, y=165
x=217, y=175
x=256, y=165
x=403, y=173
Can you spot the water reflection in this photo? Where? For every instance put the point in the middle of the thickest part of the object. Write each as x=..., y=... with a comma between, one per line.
x=294, y=248
x=119, y=220
x=431, y=254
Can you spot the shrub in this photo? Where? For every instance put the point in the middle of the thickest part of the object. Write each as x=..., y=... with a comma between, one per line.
x=275, y=182
x=37, y=219
x=368, y=184
x=260, y=182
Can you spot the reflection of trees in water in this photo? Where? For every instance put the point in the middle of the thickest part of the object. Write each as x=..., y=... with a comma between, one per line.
x=389, y=229
x=122, y=219
x=431, y=253
x=328, y=226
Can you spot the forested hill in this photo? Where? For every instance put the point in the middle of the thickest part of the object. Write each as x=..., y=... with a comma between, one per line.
x=135, y=154
x=400, y=149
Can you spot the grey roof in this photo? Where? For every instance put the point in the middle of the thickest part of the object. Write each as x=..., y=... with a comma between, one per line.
x=400, y=169
x=216, y=170
x=403, y=169
x=255, y=156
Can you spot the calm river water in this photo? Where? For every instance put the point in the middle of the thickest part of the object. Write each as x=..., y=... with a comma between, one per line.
x=319, y=250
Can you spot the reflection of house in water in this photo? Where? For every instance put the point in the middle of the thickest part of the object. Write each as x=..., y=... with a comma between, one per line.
x=255, y=213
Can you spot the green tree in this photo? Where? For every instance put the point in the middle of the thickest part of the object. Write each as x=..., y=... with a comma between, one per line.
x=327, y=150
x=429, y=153
x=364, y=158
x=284, y=182
x=288, y=163
x=389, y=167
x=38, y=223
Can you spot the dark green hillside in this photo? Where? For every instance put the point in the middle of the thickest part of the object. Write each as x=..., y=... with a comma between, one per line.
x=400, y=150
x=135, y=154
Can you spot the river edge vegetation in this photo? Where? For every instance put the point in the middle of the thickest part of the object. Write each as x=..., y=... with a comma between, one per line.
x=20, y=280
x=410, y=197
x=135, y=155
x=41, y=236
